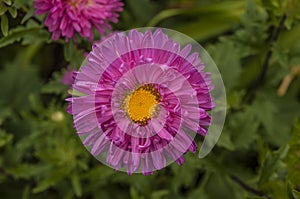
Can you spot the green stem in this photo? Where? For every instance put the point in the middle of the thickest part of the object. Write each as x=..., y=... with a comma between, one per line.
x=164, y=15
x=248, y=188
x=260, y=81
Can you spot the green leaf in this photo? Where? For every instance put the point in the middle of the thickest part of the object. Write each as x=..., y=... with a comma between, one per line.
x=4, y=25
x=27, y=16
x=8, y=2
x=198, y=193
x=235, y=99
x=16, y=35
x=134, y=194
x=3, y=8
x=185, y=173
x=226, y=142
x=25, y=170
x=164, y=15
x=222, y=17
x=242, y=128
x=289, y=191
x=76, y=184
x=13, y=12
x=5, y=138
x=73, y=55
x=4, y=114
x=55, y=176
x=292, y=159
x=159, y=194
x=296, y=194
x=15, y=75
x=55, y=86
x=26, y=192
x=217, y=24
x=225, y=187
x=264, y=111
x=137, y=8
x=271, y=163
x=227, y=58
x=38, y=37
x=288, y=39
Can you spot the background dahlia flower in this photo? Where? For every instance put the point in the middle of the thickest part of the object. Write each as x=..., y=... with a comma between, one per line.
x=66, y=17
x=143, y=99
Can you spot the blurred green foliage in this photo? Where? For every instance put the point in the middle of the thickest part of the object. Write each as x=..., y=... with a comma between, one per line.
x=255, y=44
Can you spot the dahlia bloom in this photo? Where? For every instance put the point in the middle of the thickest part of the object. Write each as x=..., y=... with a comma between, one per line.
x=66, y=17
x=142, y=101
x=69, y=77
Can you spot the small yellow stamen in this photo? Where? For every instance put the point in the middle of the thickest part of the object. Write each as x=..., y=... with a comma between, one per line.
x=141, y=105
x=74, y=3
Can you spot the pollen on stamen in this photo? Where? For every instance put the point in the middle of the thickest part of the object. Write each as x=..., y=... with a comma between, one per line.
x=141, y=105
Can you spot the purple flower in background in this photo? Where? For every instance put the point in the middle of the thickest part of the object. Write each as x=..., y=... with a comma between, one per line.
x=142, y=101
x=106, y=36
x=66, y=17
x=69, y=77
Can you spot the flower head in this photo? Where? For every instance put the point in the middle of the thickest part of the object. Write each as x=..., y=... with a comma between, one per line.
x=69, y=77
x=66, y=17
x=143, y=101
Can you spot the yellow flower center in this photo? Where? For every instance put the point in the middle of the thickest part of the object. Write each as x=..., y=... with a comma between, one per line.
x=73, y=3
x=141, y=105
x=76, y=3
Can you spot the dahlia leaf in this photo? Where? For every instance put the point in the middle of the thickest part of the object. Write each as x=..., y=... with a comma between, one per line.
x=197, y=193
x=289, y=191
x=37, y=38
x=134, y=194
x=14, y=75
x=230, y=12
x=271, y=163
x=185, y=173
x=3, y=8
x=235, y=99
x=265, y=107
x=75, y=93
x=159, y=194
x=8, y=2
x=137, y=8
x=226, y=142
x=54, y=86
x=243, y=126
x=293, y=161
x=227, y=57
x=76, y=184
x=225, y=186
x=211, y=28
x=13, y=12
x=5, y=138
x=292, y=193
x=4, y=25
x=73, y=55
x=24, y=171
x=53, y=178
x=265, y=110
x=164, y=15
x=16, y=35
x=5, y=113
x=27, y=16
x=296, y=194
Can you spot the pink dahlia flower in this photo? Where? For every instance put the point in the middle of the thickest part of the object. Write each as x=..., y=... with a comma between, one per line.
x=142, y=101
x=66, y=17
x=69, y=77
